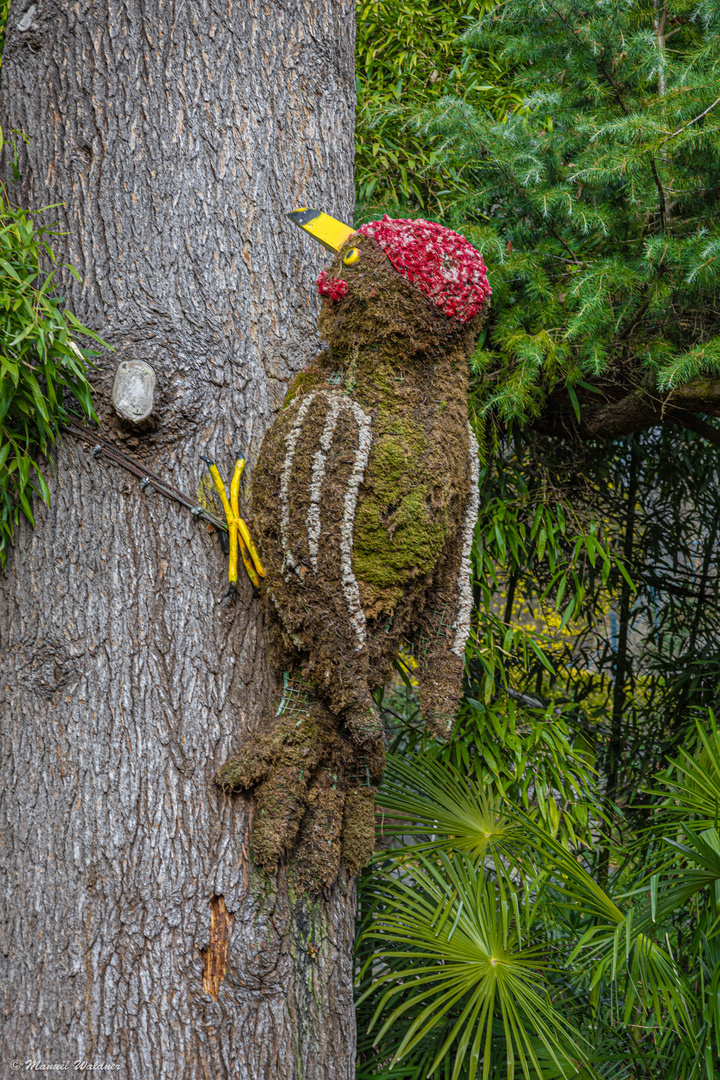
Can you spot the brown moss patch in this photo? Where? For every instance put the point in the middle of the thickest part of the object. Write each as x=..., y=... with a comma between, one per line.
x=358, y=835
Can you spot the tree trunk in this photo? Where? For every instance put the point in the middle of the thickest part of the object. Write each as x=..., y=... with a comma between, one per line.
x=136, y=934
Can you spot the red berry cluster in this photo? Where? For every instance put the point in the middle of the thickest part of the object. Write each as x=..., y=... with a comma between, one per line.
x=439, y=261
x=332, y=288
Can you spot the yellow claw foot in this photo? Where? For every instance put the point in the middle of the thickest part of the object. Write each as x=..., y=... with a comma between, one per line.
x=238, y=531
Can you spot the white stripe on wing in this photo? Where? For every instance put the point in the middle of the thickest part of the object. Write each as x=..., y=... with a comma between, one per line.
x=337, y=403
x=461, y=626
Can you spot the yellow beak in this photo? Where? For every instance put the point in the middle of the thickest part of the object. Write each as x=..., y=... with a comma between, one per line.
x=331, y=233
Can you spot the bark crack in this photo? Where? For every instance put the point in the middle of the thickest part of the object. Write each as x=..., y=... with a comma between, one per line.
x=215, y=956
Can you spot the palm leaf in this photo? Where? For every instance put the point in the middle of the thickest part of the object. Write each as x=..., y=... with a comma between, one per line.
x=450, y=940
x=425, y=797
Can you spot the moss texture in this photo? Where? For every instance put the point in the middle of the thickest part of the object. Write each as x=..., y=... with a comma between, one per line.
x=359, y=495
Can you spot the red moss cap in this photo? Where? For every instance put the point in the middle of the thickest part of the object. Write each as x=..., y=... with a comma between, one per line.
x=439, y=261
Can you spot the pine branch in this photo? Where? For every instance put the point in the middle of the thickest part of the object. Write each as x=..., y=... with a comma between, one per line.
x=659, y=27
x=634, y=288
x=661, y=193
x=690, y=122
x=567, y=247
x=606, y=75
x=619, y=96
x=631, y=328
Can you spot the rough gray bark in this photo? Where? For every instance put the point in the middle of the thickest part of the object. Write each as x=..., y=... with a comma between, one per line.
x=176, y=135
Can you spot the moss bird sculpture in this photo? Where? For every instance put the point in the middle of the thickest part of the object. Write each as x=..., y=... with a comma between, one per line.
x=364, y=501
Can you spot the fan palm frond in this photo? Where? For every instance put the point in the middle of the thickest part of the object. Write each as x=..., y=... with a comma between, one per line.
x=452, y=939
x=429, y=799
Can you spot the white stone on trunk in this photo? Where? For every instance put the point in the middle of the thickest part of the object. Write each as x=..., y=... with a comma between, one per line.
x=133, y=392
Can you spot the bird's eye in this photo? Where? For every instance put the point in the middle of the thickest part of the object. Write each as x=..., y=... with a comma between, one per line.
x=350, y=257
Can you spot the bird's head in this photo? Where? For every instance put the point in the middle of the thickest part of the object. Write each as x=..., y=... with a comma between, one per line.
x=413, y=283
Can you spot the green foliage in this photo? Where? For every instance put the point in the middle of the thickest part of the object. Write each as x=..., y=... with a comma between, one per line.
x=409, y=54
x=41, y=368
x=4, y=9
x=612, y=861
x=613, y=580
x=489, y=948
x=597, y=204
